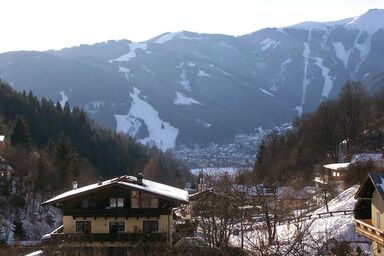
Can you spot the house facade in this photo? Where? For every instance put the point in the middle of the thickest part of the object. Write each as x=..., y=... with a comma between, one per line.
x=369, y=212
x=123, y=211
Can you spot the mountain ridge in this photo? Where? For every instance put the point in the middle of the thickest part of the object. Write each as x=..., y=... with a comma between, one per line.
x=265, y=78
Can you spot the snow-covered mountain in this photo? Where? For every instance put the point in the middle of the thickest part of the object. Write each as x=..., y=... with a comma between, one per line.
x=188, y=88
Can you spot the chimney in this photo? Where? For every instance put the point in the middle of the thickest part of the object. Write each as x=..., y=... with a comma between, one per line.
x=100, y=181
x=74, y=185
x=140, y=177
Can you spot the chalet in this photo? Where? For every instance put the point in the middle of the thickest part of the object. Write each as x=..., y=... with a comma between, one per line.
x=369, y=211
x=123, y=211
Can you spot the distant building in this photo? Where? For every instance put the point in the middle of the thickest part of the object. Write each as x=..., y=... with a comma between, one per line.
x=369, y=216
x=119, y=212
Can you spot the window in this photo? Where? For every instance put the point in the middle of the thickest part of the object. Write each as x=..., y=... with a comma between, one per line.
x=135, y=199
x=148, y=201
x=116, y=227
x=88, y=203
x=116, y=202
x=83, y=227
x=143, y=200
x=150, y=226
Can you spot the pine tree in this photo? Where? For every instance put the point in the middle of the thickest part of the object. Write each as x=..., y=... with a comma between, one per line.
x=20, y=133
x=258, y=168
x=65, y=157
x=19, y=233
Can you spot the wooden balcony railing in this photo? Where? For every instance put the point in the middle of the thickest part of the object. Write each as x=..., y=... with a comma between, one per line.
x=58, y=238
x=366, y=228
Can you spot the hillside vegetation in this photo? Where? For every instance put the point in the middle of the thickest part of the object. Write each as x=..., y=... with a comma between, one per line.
x=355, y=119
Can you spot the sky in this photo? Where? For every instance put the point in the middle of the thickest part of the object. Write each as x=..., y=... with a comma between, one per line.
x=55, y=24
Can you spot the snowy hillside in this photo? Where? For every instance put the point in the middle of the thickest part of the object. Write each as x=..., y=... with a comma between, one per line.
x=340, y=227
x=194, y=89
x=317, y=231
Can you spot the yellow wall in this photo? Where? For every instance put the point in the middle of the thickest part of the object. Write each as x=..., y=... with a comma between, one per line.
x=101, y=225
x=377, y=206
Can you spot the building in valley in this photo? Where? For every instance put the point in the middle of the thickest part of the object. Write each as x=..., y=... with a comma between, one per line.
x=124, y=211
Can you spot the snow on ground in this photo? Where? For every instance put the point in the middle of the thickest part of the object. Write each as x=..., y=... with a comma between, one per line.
x=342, y=53
x=328, y=81
x=266, y=92
x=306, y=80
x=205, y=124
x=370, y=21
x=191, y=64
x=269, y=43
x=125, y=71
x=162, y=133
x=364, y=49
x=284, y=64
x=132, y=52
x=319, y=230
x=221, y=70
x=36, y=253
x=64, y=99
x=165, y=38
x=183, y=77
x=201, y=73
x=128, y=124
x=340, y=226
x=181, y=99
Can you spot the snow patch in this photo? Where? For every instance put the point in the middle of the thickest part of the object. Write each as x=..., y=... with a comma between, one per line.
x=191, y=64
x=132, y=52
x=221, y=70
x=269, y=43
x=201, y=73
x=165, y=38
x=342, y=53
x=64, y=99
x=267, y=92
x=181, y=99
x=128, y=124
x=183, y=78
x=125, y=71
x=370, y=21
x=328, y=81
x=162, y=133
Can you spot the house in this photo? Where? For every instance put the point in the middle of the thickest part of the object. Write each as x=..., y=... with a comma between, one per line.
x=369, y=211
x=122, y=211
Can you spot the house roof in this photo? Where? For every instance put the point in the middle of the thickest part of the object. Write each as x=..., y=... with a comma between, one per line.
x=372, y=182
x=336, y=166
x=129, y=182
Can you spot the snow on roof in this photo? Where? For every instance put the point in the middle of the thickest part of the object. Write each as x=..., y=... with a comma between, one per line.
x=2, y=138
x=130, y=182
x=336, y=166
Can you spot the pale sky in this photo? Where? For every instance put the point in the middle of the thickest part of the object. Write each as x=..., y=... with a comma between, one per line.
x=54, y=24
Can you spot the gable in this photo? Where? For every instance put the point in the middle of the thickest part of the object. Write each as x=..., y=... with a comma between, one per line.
x=373, y=181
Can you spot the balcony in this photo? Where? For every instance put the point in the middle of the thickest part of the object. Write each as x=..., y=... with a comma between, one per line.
x=129, y=238
x=366, y=228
